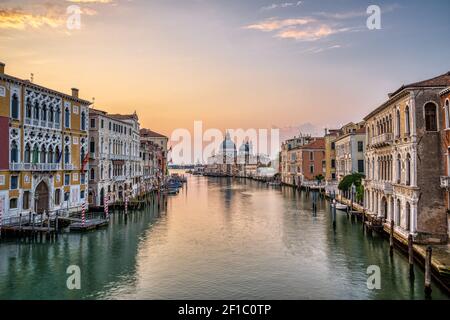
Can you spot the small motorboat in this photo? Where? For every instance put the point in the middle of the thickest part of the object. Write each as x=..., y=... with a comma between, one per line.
x=172, y=191
x=339, y=206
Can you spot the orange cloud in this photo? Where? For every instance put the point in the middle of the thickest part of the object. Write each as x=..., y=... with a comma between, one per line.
x=20, y=20
x=275, y=24
x=309, y=34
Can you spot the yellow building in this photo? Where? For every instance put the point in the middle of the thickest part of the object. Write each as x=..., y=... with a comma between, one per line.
x=330, y=155
x=44, y=135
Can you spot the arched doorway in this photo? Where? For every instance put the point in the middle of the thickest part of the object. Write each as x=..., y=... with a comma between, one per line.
x=91, y=198
x=120, y=193
x=41, y=198
x=408, y=216
x=384, y=208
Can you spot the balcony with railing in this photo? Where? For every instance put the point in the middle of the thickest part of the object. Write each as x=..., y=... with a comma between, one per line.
x=382, y=140
x=385, y=186
x=120, y=178
x=445, y=182
x=69, y=166
x=34, y=166
x=42, y=123
x=118, y=157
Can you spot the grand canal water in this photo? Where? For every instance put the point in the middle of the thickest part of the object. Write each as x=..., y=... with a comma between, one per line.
x=217, y=239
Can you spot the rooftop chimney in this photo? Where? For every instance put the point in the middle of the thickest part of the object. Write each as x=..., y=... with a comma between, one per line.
x=2, y=68
x=75, y=92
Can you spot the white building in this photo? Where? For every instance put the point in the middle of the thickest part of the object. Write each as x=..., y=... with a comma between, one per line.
x=350, y=148
x=115, y=163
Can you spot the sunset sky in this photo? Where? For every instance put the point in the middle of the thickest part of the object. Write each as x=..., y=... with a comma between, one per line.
x=229, y=63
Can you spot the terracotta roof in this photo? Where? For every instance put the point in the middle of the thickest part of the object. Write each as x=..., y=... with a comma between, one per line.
x=150, y=133
x=440, y=81
x=125, y=116
x=105, y=114
x=361, y=130
x=319, y=143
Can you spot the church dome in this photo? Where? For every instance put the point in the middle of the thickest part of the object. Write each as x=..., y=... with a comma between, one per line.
x=244, y=148
x=227, y=144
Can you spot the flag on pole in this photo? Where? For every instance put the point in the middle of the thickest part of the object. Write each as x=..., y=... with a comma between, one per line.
x=85, y=161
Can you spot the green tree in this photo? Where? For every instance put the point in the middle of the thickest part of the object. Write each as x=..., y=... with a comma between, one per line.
x=353, y=179
x=319, y=178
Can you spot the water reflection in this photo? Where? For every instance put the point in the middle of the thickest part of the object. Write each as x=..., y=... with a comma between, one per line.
x=217, y=239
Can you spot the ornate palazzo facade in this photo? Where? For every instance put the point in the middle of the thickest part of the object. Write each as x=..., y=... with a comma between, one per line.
x=44, y=133
x=115, y=164
x=403, y=162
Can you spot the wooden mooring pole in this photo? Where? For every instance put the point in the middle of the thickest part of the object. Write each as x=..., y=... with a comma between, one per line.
x=32, y=228
x=411, y=256
x=334, y=217
x=428, y=271
x=391, y=239
x=56, y=225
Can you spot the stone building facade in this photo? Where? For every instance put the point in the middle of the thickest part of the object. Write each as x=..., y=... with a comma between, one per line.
x=310, y=161
x=404, y=161
x=350, y=148
x=160, y=141
x=288, y=158
x=151, y=166
x=445, y=149
x=330, y=155
x=115, y=164
x=45, y=135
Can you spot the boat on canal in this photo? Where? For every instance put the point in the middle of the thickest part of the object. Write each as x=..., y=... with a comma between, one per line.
x=339, y=206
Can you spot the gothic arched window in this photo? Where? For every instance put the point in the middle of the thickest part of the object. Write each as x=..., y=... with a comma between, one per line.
x=36, y=110
x=408, y=170
x=66, y=155
x=43, y=154
x=399, y=168
x=83, y=121
x=397, y=120
x=50, y=158
x=51, y=115
x=14, y=152
x=430, y=117
x=67, y=117
x=57, y=115
x=407, y=121
x=408, y=216
x=29, y=110
x=15, y=106
x=35, y=154
x=399, y=213
x=44, y=112
x=27, y=155
x=57, y=157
